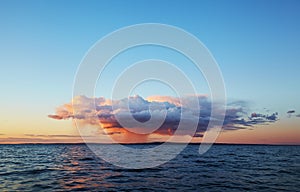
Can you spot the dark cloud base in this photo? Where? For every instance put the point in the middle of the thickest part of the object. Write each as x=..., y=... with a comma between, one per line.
x=100, y=111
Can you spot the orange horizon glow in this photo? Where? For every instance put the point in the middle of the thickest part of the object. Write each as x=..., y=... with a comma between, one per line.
x=39, y=129
x=259, y=135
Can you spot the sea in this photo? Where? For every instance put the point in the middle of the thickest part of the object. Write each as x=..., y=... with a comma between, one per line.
x=74, y=167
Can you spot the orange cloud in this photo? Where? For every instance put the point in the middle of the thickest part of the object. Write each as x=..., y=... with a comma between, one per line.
x=137, y=118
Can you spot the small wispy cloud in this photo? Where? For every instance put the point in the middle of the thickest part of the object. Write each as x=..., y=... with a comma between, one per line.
x=56, y=136
x=291, y=111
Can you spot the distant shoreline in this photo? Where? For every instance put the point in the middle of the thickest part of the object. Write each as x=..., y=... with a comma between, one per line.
x=151, y=143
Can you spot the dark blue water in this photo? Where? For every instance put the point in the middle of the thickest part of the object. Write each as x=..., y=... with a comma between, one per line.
x=222, y=168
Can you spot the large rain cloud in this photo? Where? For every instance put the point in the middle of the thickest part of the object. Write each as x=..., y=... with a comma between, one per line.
x=102, y=112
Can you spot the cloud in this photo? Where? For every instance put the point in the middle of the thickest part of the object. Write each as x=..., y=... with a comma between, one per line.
x=255, y=117
x=27, y=139
x=291, y=111
x=101, y=111
x=56, y=136
x=55, y=117
x=10, y=140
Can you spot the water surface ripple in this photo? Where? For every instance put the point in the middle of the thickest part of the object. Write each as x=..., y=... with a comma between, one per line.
x=69, y=167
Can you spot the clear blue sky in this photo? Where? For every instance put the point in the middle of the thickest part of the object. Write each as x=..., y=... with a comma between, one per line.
x=256, y=44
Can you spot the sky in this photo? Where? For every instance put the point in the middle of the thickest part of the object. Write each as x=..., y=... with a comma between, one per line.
x=255, y=43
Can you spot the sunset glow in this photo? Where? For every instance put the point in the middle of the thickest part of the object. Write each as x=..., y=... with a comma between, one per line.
x=258, y=55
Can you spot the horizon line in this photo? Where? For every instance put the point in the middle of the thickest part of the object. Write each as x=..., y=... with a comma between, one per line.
x=151, y=143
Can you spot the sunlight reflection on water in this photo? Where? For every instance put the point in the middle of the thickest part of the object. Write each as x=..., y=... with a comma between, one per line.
x=224, y=167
